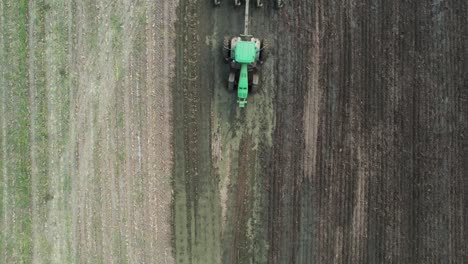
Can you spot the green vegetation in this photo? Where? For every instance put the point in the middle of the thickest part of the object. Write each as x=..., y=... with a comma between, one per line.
x=17, y=227
x=59, y=81
x=44, y=55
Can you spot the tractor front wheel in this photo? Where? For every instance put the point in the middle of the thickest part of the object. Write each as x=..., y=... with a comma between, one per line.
x=230, y=86
x=231, y=81
x=255, y=83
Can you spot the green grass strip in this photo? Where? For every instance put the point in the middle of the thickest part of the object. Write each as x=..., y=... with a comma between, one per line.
x=18, y=241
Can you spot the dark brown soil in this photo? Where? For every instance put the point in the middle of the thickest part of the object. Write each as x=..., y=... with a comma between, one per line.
x=368, y=151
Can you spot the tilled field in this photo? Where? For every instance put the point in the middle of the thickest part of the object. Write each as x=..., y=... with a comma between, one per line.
x=352, y=152
x=121, y=144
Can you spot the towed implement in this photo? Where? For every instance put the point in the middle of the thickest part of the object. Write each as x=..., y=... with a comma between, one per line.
x=259, y=3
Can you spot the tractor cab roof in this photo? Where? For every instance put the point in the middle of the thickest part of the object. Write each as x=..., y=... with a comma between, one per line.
x=245, y=52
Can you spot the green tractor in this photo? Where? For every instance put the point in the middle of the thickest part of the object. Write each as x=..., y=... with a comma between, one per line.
x=245, y=54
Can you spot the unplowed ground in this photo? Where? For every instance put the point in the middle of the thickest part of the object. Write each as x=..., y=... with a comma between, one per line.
x=86, y=152
x=354, y=150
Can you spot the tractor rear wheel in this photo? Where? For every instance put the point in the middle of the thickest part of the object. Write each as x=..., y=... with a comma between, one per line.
x=227, y=49
x=264, y=50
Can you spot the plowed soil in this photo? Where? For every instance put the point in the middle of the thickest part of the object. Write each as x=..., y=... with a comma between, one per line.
x=354, y=150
